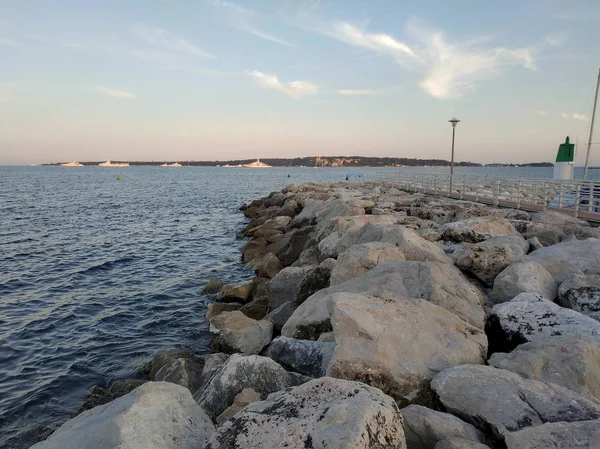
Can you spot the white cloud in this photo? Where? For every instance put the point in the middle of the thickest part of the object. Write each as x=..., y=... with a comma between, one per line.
x=581, y=117
x=296, y=89
x=564, y=115
x=447, y=70
x=245, y=19
x=541, y=112
x=6, y=91
x=358, y=92
x=12, y=43
x=168, y=41
x=555, y=40
x=115, y=93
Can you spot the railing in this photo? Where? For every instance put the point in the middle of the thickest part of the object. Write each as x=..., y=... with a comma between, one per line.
x=575, y=197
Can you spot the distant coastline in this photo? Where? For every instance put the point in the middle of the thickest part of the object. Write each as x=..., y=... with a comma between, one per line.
x=327, y=161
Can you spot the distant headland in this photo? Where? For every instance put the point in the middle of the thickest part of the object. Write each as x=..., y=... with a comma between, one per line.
x=325, y=161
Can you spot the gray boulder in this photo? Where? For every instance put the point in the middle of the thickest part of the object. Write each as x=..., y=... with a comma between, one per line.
x=184, y=371
x=236, y=293
x=500, y=401
x=581, y=293
x=321, y=414
x=315, y=280
x=307, y=357
x=99, y=395
x=292, y=245
x=459, y=443
x=359, y=259
x=235, y=332
x=517, y=244
x=156, y=415
x=441, y=284
x=534, y=244
x=483, y=261
x=261, y=374
x=567, y=258
x=545, y=236
x=269, y=266
x=521, y=277
x=212, y=286
x=572, y=361
x=529, y=317
x=390, y=342
x=242, y=400
x=477, y=229
x=423, y=428
x=280, y=315
x=557, y=219
x=283, y=287
x=217, y=308
x=557, y=435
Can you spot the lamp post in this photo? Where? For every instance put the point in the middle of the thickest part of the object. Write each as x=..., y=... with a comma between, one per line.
x=454, y=121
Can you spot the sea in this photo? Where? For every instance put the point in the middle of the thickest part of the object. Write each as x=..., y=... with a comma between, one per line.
x=100, y=268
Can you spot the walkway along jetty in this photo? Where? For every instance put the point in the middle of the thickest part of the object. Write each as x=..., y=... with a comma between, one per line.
x=379, y=319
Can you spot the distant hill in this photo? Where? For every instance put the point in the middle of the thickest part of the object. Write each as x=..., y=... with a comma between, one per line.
x=315, y=161
x=531, y=164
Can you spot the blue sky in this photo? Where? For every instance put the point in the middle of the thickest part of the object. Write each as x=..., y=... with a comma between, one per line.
x=214, y=79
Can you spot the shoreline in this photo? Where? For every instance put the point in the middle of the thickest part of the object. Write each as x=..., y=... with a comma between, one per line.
x=411, y=309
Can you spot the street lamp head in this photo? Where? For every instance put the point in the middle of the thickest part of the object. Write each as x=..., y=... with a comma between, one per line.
x=454, y=121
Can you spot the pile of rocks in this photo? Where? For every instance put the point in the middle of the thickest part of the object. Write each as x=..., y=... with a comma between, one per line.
x=382, y=319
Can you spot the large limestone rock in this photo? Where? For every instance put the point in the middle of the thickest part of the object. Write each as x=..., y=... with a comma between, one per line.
x=581, y=293
x=529, y=317
x=99, y=395
x=558, y=435
x=269, y=266
x=302, y=356
x=439, y=283
x=517, y=244
x=184, y=371
x=246, y=397
x=235, y=332
x=567, y=258
x=156, y=415
x=484, y=261
x=557, y=219
x=315, y=280
x=500, y=401
x=477, y=229
x=283, y=287
x=572, y=361
x=236, y=293
x=322, y=414
x=261, y=374
x=390, y=342
x=521, y=277
x=212, y=286
x=424, y=427
x=459, y=443
x=359, y=259
x=293, y=244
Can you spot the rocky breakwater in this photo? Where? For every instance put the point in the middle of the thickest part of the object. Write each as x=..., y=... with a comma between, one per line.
x=382, y=319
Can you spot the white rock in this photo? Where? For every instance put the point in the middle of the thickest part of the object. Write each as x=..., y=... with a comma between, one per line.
x=359, y=259
x=521, y=277
x=558, y=435
x=283, y=286
x=235, y=332
x=156, y=415
x=477, y=229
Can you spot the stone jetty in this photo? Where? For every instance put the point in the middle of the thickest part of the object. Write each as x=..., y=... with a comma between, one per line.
x=380, y=319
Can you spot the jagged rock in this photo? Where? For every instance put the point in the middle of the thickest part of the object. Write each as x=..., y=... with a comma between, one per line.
x=567, y=258
x=293, y=244
x=500, y=401
x=582, y=232
x=212, y=286
x=441, y=284
x=261, y=374
x=459, y=443
x=515, y=214
x=388, y=341
x=279, y=222
x=315, y=280
x=572, y=361
x=269, y=266
x=323, y=413
x=162, y=358
x=424, y=427
x=484, y=261
x=156, y=415
x=235, y=332
x=255, y=248
x=236, y=293
x=558, y=435
x=429, y=234
x=263, y=231
x=582, y=294
x=517, y=244
x=246, y=397
x=280, y=315
x=302, y=356
x=309, y=257
x=546, y=237
x=557, y=219
x=529, y=317
x=534, y=244
x=476, y=229
x=99, y=395
x=283, y=287
x=527, y=276
x=217, y=308
x=359, y=259
x=257, y=308
x=184, y=371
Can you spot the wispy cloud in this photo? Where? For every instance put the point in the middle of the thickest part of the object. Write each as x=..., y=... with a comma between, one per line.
x=6, y=91
x=564, y=115
x=358, y=92
x=110, y=92
x=7, y=42
x=4, y=23
x=541, y=113
x=168, y=41
x=581, y=117
x=555, y=40
x=295, y=89
x=446, y=69
x=245, y=20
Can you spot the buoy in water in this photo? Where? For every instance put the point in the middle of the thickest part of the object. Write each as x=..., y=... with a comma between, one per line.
x=62, y=181
x=118, y=177
x=288, y=175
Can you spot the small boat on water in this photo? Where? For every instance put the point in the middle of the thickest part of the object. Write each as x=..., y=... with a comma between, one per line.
x=113, y=164
x=175, y=164
x=72, y=164
x=257, y=164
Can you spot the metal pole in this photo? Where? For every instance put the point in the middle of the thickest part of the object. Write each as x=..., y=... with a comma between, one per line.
x=587, y=156
x=452, y=160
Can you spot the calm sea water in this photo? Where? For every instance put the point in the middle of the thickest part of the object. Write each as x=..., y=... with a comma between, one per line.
x=97, y=274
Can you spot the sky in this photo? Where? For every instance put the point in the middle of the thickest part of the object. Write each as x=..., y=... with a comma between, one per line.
x=216, y=80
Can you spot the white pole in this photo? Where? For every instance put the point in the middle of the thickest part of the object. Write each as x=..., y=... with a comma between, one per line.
x=587, y=156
